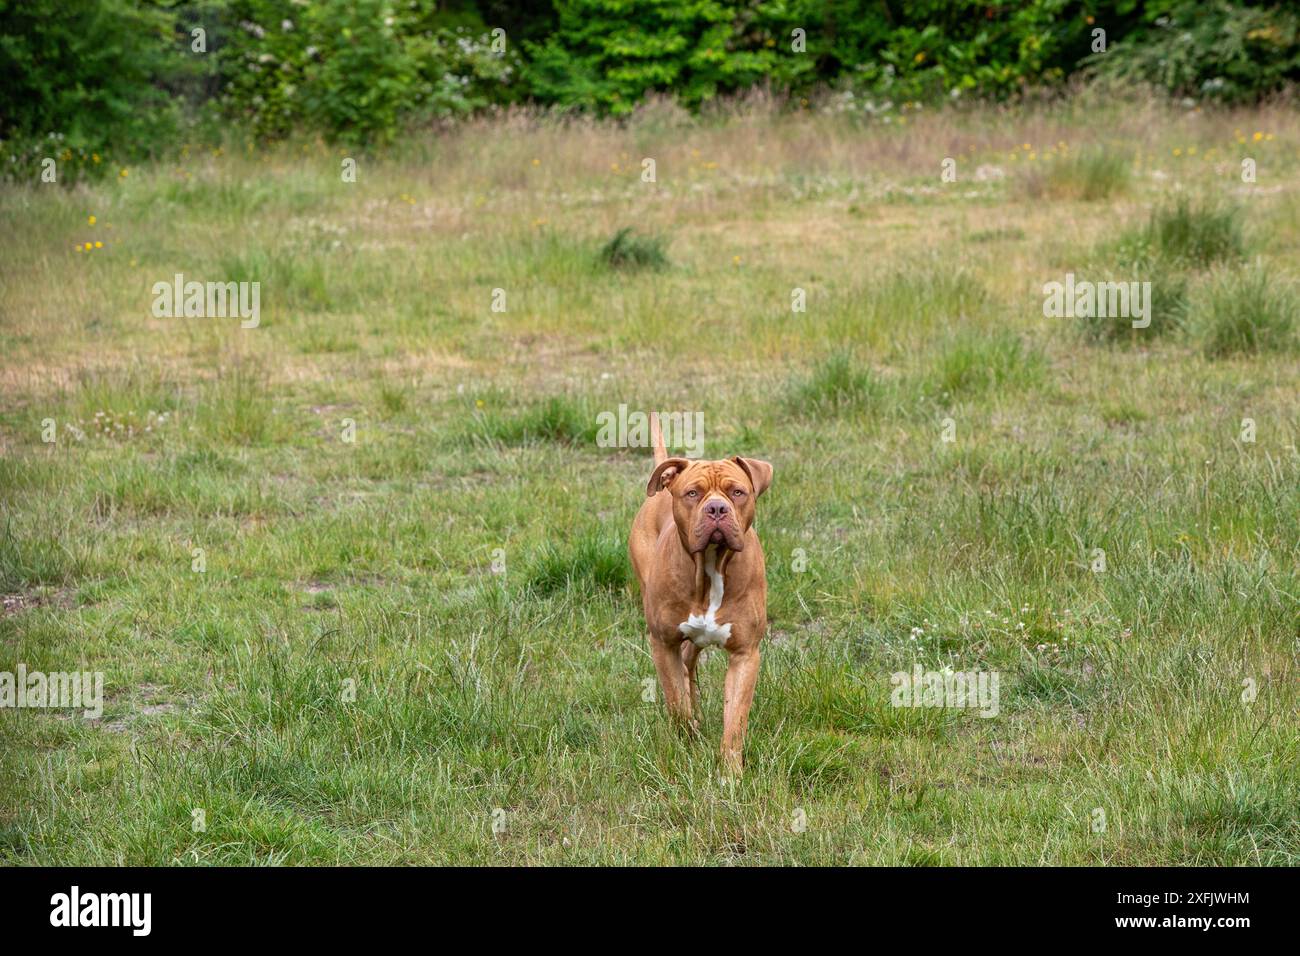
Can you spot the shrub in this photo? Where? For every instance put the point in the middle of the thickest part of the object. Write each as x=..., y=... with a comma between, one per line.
x=1231, y=52
x=1245, y=311
x=607, y=57
x=359, y=71
x=86, y=84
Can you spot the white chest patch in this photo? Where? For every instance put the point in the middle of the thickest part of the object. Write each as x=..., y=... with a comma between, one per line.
x=704, y=629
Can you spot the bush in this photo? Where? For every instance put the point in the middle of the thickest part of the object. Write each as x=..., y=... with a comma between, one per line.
x=87, y=84
x=1232, y=52
x=1245, y=311
x=358, y=71
x=606, y=57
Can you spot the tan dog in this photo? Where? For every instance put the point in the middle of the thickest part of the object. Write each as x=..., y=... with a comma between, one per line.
x=703, y=581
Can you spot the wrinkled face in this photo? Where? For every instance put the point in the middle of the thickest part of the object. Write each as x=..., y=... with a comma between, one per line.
x=713, y=501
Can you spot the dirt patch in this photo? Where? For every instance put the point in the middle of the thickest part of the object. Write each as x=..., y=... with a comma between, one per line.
x=16, y=603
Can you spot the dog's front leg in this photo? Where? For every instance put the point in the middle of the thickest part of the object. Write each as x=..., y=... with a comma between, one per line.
x=691, y=658
x=742, y=675
x=672, y=678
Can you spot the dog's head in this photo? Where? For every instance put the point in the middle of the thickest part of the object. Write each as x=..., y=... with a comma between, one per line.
x=713, y=501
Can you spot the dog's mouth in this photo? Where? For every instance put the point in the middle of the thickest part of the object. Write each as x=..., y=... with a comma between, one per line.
x=709, y=532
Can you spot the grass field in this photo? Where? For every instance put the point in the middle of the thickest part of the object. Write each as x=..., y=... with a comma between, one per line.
x=1104, y=529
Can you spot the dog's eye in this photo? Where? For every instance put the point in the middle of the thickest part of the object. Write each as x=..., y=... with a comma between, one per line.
x=692, y=493
x=739, y=492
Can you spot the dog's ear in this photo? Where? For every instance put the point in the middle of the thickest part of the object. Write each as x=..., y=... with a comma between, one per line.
x=663, y=475
x=760, y=473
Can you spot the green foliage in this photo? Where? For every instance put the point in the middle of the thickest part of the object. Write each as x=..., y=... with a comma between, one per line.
x=937, y=48
x=1225, y=51
x=112, y=78
x=358, y=71
x=84, y=84
x=607, y=54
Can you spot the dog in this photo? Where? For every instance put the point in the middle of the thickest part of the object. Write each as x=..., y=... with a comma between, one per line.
x=703, y=581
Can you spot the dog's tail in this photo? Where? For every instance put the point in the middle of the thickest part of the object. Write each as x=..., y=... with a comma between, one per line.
x=657, y=439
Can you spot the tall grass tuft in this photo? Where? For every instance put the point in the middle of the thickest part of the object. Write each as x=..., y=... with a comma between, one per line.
x=630, y=250
x=1168, y=311
x=598, y=560
x=1189, y=234
x=973, y=363
x=558, y=419
x=236, y=407
x=1088, y=175
x=835, y=385
x=1245, y=311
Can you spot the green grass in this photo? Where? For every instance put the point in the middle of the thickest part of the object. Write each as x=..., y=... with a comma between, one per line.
x=1188, y=232
x=630, y=250
x=1088, y=175
x=834, y=385
x=1245, y=311
x=1168, y=309
x=398, y=635
x=975, y=362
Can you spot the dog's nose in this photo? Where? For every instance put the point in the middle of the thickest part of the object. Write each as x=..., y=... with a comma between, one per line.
x=716, y=509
